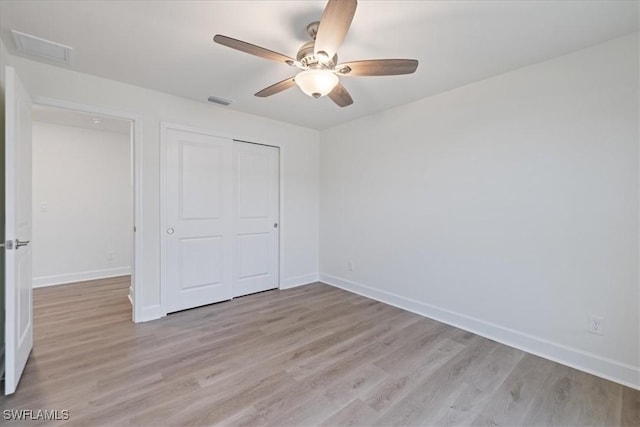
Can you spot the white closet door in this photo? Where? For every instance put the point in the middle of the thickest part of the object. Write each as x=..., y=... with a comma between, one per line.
x=198, y=206
x=256, y=218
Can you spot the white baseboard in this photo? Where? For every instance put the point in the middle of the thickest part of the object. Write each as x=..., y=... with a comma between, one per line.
x=151, y=312
x=292, y=282
x=622, y=373
x=61, y=279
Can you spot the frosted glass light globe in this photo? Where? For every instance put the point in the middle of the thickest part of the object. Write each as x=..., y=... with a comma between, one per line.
x=316, y=83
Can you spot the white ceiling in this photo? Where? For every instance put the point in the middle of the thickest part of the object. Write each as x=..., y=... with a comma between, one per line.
x=60, y=116
x=167, y=45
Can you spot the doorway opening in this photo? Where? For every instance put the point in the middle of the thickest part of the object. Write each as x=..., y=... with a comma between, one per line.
x=85, y=208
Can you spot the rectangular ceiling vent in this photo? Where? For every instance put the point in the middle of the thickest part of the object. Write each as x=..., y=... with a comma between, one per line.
x=220, y=101
x=42, y=48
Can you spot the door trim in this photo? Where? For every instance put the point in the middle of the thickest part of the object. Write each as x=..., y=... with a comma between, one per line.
x=136, y=143
x=164, y=127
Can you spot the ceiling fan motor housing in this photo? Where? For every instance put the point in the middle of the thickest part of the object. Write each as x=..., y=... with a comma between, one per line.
x=307, y=57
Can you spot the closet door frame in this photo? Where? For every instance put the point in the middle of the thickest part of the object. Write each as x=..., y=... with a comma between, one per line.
x=164, y=127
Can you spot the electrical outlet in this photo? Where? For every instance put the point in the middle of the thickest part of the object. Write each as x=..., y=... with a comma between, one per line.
x=351, y=266
x=595, y=325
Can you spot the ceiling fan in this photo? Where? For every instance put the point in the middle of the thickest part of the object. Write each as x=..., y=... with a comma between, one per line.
x=318, y=59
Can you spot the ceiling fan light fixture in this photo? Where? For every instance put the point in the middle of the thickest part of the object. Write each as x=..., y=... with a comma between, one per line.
x=318, y=58
x=316, y=83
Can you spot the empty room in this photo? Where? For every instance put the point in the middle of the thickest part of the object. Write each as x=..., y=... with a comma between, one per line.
x=331, y=212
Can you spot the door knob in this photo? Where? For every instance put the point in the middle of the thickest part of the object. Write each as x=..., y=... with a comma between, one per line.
x=170, y=230
x=21, y=243
x=275, y=225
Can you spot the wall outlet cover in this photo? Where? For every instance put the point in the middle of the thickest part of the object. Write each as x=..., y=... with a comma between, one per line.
x=595, y=325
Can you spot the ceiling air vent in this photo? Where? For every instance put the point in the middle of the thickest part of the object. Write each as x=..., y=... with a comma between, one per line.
x=220, y=101
x=42, y=48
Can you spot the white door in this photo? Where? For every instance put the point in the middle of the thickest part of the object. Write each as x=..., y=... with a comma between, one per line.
x=17, y=251
x=256, y=218
x=198, y=238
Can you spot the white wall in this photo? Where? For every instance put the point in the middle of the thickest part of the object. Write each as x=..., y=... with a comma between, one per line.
x=299, y=168
x=83, y=177
x=508, y=207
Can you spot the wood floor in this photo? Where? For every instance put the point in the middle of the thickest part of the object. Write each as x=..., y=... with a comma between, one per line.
x=313, y=355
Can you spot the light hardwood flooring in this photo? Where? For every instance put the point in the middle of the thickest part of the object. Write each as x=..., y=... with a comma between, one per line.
x=313, y=355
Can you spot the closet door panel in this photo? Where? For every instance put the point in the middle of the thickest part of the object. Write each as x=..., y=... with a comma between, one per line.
x=198, y=206
x=257, y=218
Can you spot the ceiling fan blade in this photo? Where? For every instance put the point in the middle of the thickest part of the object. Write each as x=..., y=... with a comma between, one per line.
x=378, y=67
x=334, y=24
x=275, y=88
x=340, y=96
x=252, y=49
